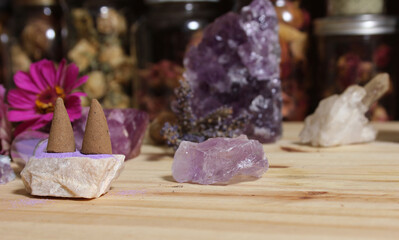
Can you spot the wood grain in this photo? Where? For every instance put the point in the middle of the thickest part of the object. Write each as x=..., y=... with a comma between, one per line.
x=349, y=192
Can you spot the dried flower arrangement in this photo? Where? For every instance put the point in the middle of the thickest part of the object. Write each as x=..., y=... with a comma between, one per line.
x=101, y=53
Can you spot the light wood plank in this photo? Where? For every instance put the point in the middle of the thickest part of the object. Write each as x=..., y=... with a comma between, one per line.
x=349, y=192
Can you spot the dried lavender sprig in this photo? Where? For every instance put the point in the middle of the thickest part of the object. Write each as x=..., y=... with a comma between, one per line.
x=182, y=107
x=171, y=134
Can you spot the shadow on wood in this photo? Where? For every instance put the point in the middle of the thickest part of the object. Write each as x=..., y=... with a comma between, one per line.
x=23, y=192
x=158, y=156
x=388, y=136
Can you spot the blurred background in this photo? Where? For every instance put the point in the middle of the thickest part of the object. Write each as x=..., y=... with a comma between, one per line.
x=133, y=51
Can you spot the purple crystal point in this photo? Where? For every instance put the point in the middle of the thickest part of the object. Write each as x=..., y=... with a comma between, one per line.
x=6, y=172
x=126, y=127
x=237, y=64
x=261, y=52
x=24, y=145
x=218, y=160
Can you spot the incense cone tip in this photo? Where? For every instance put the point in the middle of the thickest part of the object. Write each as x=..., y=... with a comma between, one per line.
x=61, y=138
x=96, y=139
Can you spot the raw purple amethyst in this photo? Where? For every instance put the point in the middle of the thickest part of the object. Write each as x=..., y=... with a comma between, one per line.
x=24, y=145
x=218, y=160
x=237, y=64
x=126, y=127
x=6, y=172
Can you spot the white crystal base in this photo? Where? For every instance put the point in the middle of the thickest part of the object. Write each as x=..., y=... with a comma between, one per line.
x=71, y=177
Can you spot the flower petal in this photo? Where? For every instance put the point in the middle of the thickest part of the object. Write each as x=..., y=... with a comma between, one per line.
x=19, y=116
x=71, y=76
x=48, y=73
x=36, y=75
x=34, y=124
x=79, y=82
x=74, y=107
x=24, y=81
x=2, y=90
x=20, y=99
x=23, y=127
x=61, y=71
x=78, y=94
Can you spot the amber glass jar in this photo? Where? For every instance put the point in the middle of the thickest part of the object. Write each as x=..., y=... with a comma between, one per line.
x=239, y=4
x=162, y=37
x=4, y=45
x=293, y=32
x=99, y=45
x=36, y=32
x=351, y=50
x=392, y=7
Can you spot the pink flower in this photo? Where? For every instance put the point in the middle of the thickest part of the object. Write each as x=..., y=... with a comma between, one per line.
x=33, y=101
x=5, y=126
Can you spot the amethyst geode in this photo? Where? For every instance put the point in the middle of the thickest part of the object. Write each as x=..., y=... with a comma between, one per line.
x=218, y=160
x=237, y=64
x=126, y=129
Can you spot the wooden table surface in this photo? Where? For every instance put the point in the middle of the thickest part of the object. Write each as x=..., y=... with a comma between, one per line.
x=349, y=192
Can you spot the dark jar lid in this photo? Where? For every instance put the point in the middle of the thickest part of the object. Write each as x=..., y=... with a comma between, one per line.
x=368, y=24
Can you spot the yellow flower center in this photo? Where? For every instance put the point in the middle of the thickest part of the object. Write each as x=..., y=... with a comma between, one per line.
x=45, y=101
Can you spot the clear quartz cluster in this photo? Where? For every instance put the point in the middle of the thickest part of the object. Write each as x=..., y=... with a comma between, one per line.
x=237, y=65
x=340, y=119
x=218, y=160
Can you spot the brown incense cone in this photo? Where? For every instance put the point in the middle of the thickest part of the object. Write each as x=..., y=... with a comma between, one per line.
x=61, y=137
x=96, y=139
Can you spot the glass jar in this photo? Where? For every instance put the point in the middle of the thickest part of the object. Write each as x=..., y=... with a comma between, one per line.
x=240, y=3
x=353, y=7
x=293, y=32
x=161, y=39
x=352, y=50
x=99, y=45
x=36, y=33
x=4, y=45
x=392, y=7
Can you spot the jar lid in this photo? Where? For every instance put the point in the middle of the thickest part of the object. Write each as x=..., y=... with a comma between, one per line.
x=368, y=24
x=34, y=2
x=352, y=7
x=181, y=1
